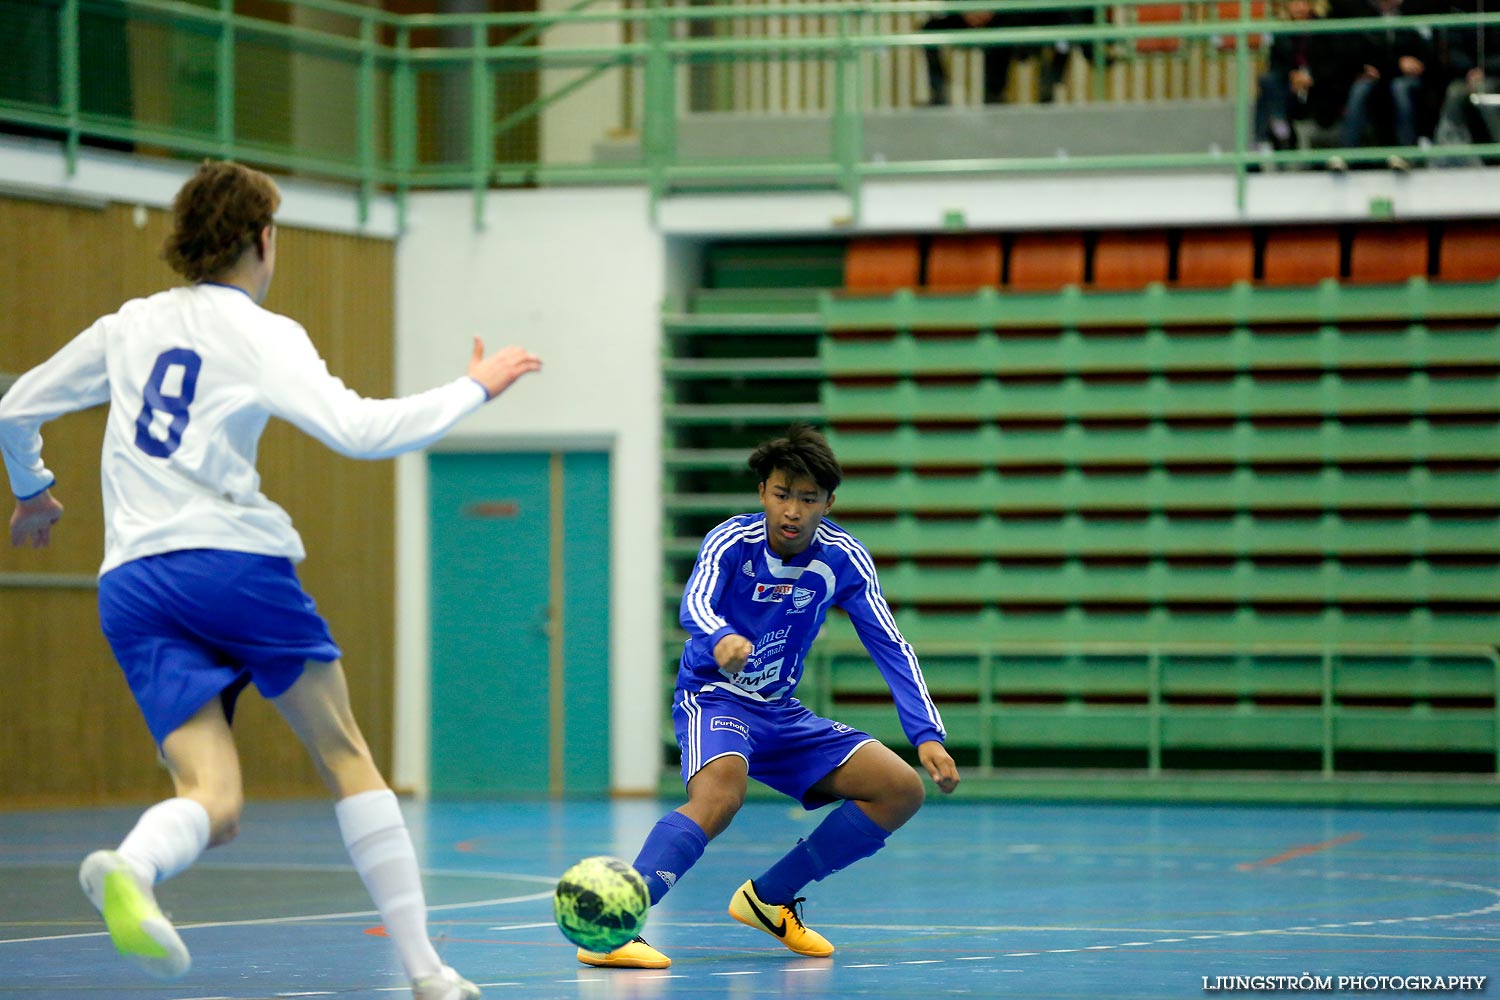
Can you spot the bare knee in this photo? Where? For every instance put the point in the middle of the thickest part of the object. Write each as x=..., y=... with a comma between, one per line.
x=219, y=791
x=719, y=807
x=908, y=793
x=224, y=807
x=223, y=831
x=898, y=801
x=715, y=795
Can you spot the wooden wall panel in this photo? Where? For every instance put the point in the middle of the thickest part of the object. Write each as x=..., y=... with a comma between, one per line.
x=69, y=731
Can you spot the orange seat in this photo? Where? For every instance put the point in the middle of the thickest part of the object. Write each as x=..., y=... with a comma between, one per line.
x=1158, y=13
x=1229, y=10
x=1297, y=255
x=1470, y=251
x=1389, y=253
x=879, y=265
x=963, y=263
x=1129, y=259
x=1045, y=262
x=1215, y=258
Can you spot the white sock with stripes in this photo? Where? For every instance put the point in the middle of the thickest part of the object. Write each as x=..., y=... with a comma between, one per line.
x=375, y=834
x=167, y=838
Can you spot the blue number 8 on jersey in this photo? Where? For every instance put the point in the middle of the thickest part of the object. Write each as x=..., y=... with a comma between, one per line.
x=189, y=363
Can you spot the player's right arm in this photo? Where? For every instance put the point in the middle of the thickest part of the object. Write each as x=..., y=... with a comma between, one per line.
x=701, y=612
x=298, y=387
x=75, y=378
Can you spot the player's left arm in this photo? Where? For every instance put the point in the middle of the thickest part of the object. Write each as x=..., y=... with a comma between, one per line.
x=298, y=387
x=861, y=598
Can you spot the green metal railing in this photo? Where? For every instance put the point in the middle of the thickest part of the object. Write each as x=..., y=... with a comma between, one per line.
x=391, y=102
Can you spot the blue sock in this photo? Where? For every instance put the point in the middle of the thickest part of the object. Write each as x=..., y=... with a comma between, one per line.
x=673, y=846
x=845, y=836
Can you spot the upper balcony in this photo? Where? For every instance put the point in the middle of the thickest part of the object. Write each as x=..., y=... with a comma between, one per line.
x=687, y=97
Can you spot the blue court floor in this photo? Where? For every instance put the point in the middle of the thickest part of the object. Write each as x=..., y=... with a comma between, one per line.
x=1014, y=900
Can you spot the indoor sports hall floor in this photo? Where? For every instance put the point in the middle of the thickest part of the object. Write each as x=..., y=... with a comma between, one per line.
x=1014, y=900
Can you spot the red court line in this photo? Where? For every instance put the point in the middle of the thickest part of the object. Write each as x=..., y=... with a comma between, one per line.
x=1297, y=852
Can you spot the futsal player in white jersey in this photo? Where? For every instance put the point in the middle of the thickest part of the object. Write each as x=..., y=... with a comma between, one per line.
x=757, y=598
x=197, y=592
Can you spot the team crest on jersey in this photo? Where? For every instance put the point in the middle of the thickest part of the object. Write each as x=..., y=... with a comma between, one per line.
x=773, y=593
x=802, y=597
x=748, y=569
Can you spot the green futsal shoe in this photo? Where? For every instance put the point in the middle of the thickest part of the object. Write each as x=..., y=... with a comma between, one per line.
x=446, y=985
x=136, y=924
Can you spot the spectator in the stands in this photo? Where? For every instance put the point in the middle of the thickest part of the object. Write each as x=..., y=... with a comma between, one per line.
x=1471, y=100
x=1052, y=58
x=1386, y=94
x=1306, y=79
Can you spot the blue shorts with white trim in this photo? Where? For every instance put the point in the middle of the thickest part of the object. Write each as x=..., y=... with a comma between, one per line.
x=190, y=626
x=786, y=746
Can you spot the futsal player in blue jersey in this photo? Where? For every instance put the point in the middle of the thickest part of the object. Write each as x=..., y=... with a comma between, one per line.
x=757, y=598
x=198, y=596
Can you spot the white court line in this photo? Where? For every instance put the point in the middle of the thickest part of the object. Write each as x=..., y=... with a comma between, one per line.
x=310, y=917
x=337, y=869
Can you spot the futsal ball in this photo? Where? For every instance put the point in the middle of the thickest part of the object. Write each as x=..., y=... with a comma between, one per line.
x=601, y=903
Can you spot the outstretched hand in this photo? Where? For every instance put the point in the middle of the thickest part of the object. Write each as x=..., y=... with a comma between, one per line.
x=939, y=764
x=498, y=371
x=32, y=520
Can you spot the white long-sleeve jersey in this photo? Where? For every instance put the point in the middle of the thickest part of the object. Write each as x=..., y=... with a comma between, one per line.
x=191, y=376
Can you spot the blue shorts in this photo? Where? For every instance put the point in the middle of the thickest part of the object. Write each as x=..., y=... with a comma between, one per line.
x=190, y=626
x=786, y=746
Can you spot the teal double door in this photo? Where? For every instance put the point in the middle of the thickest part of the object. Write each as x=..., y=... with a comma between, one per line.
x=519, y=621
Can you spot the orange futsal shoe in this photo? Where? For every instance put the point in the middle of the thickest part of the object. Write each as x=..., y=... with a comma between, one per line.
x=781, y=922
x=634, y=954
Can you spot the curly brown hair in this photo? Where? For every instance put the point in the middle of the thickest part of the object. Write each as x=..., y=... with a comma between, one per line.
x=218, y=214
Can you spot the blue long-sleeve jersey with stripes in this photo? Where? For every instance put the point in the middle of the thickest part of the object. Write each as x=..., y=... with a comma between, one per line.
x=741, y=587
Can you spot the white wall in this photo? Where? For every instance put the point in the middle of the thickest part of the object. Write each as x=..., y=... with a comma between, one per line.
x=35, y=168
x=577, y=276
x=1082, y=200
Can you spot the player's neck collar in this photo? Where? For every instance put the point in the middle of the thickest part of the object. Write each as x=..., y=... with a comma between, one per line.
x=225, y=284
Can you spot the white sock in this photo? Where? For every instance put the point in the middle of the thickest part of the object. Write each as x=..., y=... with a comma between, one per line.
x=166, y=839
x=382, y=853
